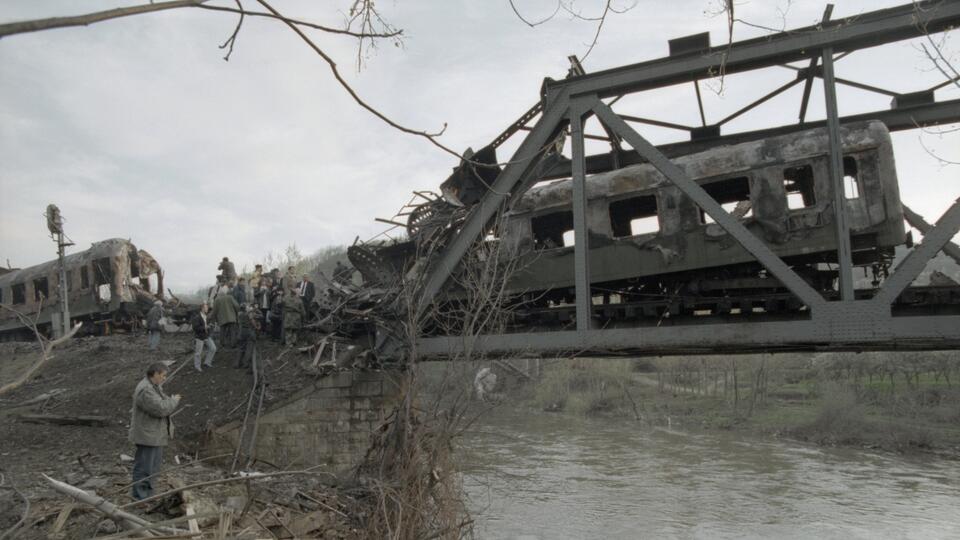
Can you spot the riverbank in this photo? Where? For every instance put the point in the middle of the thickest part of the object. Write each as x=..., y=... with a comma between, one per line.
x=898, y=402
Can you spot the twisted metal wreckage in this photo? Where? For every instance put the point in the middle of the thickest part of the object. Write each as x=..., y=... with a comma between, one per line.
x=752, y=238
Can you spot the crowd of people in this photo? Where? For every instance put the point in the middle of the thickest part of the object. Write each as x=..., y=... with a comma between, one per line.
x=265, y=304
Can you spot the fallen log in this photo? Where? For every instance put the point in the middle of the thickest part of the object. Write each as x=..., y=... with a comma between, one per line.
x=107, y=508
x=64, y=420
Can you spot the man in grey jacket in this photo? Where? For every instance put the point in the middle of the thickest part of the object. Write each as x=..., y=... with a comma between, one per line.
x=153, y=325
x=150, y=428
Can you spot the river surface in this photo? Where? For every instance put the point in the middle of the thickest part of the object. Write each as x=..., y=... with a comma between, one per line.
x=534, y=475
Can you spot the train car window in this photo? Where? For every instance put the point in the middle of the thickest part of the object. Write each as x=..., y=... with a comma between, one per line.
x=102, y=272
x=41, y=290
x=84, y=278
x=549, y=229
x=69, y=280
x=798, y=183
x=634, y=216
x=19, y=291
x=851, y=180
x=733, y=195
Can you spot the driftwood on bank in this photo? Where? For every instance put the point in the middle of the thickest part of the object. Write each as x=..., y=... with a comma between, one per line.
x=65, y=420
x=112, y=511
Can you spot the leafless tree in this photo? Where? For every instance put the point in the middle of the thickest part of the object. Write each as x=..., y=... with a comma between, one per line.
x=46, y=346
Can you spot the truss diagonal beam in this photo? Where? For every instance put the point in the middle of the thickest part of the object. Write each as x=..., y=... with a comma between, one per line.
x=917, y=222
x=513, y=180
x=910, y=267
x=751, y=243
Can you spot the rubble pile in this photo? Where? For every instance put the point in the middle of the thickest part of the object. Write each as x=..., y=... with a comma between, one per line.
x=81, y=398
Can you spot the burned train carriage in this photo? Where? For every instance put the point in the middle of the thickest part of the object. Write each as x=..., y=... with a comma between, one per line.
x=108, y=285
x=655, y=253
x=649, y=243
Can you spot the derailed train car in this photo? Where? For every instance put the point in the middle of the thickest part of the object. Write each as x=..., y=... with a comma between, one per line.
x=110, y=285
x=653, y=252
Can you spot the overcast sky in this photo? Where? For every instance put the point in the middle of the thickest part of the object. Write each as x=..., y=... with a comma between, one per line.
x=137, y=127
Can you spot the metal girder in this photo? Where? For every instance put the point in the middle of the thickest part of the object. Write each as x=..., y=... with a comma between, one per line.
x=516, y=173
x=742, y=337
x=751, y=243
x=916, y=221
x=580, y=226
x=944, y=112
x=844, y=251
x=910, y=267
x=851, y=33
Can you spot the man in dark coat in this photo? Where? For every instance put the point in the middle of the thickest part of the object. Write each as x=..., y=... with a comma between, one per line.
x=306, y=291
x=293, y=314
x=276, y=313
x=249, y=327
x=239, y=292
x=228, y=273
x=153, y=325
x=150, y=428
x=201, y=337
x=225, y=309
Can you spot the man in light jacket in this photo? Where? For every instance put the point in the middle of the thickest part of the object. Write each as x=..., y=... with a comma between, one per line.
x=150, y=428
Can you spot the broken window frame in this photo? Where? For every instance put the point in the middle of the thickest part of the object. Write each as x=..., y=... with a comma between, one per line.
x=852, y=183
x=102, y=271
x=728, y=195
x=41, y=289
x=624, y=212
x=18, y=292
x=804, y=186
x=557, y=229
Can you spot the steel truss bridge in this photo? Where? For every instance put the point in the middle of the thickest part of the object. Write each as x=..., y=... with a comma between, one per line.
x=845, y=321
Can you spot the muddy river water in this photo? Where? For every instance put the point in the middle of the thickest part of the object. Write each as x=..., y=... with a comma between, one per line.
x=546, y=476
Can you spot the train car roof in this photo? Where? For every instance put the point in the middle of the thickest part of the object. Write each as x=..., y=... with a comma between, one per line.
x=720, y=161
x=97, y=250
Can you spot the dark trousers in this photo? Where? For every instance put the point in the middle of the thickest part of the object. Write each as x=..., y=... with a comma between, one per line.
x=248, y=348
x=276, y=327
x=229, y=334
x=146, y=463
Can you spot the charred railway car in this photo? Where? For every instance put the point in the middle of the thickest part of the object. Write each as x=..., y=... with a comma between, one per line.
x=655, y=253
x=651, y=244
x=108, y=285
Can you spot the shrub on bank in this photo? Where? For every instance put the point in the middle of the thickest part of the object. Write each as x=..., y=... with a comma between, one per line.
x=584, y=386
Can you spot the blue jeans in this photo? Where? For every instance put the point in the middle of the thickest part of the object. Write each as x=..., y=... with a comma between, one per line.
x=153, y=339
x=198, y=350
x=146, y=463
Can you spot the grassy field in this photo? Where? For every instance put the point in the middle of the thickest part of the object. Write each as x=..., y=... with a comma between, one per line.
x=905, y=402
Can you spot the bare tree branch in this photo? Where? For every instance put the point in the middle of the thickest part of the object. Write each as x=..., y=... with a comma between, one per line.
x=45, y=347
x=538, y=23
x=23, y=27
x=301, y=22
x=233, y=37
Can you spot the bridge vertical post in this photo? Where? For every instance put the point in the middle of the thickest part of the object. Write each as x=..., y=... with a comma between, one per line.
x=581, y=247
x=844, y=251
